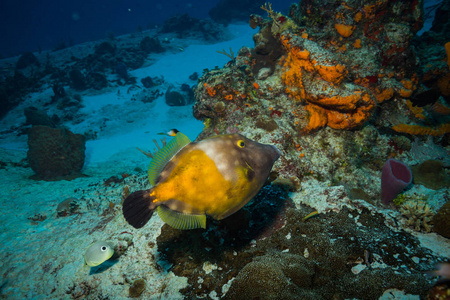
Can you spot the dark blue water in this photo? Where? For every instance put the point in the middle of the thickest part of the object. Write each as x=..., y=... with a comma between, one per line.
x=30, y=25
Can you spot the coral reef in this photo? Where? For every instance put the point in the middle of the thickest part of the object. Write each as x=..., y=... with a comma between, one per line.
x=327, y=85
x=35, y=116
x=179, y=96
x=303, y=75
x=418, y=215
x=434, y=75
x=299, y=259
x=25, y=60
x=422, y=151
x=151, y=44
x=329, y=81
x=77, y=80
x=339, y=90
x=55, y=153
x=14, y=87
x=441, y=220
x=431, y=174
x=274, y=276
x=440, y=291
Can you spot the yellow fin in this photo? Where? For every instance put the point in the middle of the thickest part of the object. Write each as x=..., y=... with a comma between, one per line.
x=179, y=220
x=163, y=156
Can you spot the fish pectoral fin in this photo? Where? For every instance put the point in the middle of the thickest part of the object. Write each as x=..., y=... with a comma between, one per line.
x=179, y=220
x=245, y=172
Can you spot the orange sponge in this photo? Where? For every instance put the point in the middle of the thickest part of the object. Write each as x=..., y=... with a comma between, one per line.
x=344, y=30
x=317, y=119
x=333, y=74
x=422, y=130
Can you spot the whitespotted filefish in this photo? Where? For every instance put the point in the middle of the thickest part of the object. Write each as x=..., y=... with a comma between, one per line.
x=216, y=177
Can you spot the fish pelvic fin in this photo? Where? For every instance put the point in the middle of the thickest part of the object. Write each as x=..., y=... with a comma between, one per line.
x=179, y=220
x=138, y=208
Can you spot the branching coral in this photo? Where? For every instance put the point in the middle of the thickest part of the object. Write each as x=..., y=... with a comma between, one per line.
x=418, y=215
x=280, y=22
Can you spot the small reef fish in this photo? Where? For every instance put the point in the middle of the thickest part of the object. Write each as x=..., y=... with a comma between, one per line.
x=216, y=177
x=97, y=253
x=367, y=258
x=442, y=270
x=311, y=215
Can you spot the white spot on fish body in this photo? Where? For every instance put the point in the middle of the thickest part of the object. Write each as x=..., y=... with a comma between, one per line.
x=215, y=151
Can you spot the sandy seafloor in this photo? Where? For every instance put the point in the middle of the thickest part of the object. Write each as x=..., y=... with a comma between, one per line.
x=43, y=259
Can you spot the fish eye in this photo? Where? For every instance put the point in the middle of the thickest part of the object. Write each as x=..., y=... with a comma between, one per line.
x=241, y=144
x=103, y=248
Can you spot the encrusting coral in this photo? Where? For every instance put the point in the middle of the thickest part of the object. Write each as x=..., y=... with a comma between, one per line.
x=418, y=215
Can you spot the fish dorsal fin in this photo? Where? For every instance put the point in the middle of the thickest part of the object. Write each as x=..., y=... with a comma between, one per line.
x=180, y=220
x=162, y=157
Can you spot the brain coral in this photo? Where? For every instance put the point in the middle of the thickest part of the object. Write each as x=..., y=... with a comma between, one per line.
x=277, y=276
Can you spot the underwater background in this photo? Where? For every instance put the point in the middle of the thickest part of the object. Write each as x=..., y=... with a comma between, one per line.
x=354, y=94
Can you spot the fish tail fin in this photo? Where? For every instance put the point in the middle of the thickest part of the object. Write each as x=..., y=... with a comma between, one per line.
x=138, y=208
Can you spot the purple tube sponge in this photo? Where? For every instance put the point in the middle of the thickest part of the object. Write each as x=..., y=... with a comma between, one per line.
x=395, y=177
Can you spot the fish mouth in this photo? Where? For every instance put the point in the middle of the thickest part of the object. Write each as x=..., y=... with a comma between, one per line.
x=275, y=152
